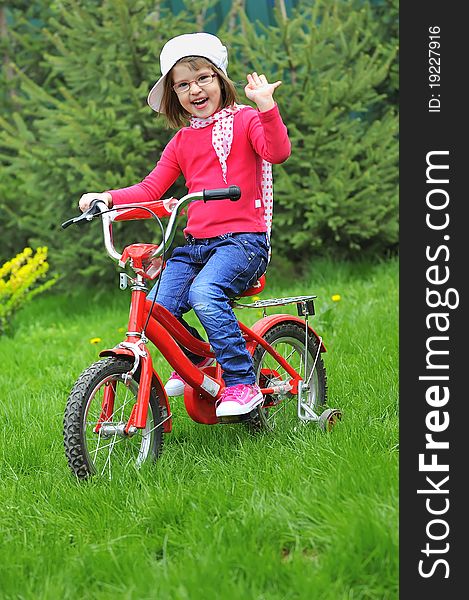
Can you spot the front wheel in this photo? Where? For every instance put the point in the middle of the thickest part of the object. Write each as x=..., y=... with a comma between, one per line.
x=98, y=408
x=303, y=354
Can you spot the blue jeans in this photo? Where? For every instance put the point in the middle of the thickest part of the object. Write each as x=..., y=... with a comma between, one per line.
x=205, y=275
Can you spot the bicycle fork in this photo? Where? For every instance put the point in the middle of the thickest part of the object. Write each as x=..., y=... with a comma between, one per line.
x=135, y=347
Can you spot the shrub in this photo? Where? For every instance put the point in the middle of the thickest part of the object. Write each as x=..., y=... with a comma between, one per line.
x=19, y=283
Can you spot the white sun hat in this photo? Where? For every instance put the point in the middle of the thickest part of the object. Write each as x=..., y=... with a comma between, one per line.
x=188, y=44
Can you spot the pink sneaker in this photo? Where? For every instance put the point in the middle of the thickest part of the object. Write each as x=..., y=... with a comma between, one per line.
x=239, y=400
x=175, y=384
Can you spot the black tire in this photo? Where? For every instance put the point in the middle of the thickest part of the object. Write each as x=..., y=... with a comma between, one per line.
x=90, y=453
x=281, y=410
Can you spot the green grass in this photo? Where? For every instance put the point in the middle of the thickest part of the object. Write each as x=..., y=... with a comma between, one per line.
x=290, y=514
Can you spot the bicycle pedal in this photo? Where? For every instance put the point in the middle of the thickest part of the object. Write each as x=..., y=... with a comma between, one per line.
x=227, y=420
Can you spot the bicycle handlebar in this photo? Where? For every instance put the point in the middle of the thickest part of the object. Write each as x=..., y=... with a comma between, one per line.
x=108, y=215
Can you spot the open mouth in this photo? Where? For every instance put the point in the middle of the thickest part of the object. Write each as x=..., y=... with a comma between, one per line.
x=200, y=103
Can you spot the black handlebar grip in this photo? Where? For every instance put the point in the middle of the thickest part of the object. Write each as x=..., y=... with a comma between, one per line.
x=67, y=223
x=231, y=193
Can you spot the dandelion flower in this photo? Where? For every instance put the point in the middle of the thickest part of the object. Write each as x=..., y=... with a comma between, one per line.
x=121, y=329
x=336, y=298
x=95, y=340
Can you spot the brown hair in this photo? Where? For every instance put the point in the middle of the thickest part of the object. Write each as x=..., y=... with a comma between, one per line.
x=175, y=114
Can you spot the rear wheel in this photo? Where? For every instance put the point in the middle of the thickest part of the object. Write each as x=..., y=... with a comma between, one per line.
x=94, y=437
x=281, y=409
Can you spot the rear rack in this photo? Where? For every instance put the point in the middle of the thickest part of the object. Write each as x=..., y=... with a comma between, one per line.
x=305, y=304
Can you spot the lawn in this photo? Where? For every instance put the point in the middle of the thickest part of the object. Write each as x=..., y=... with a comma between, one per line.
x=223, y=514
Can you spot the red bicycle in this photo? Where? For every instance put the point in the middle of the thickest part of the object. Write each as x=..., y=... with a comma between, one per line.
x=118, y=410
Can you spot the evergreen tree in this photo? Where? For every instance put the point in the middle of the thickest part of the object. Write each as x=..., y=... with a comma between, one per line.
x=21, y=49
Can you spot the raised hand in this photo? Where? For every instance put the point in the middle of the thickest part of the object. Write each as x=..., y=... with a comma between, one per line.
x=260, y=91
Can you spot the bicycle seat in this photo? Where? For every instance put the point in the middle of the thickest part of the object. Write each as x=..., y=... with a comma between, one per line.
x=256, y=288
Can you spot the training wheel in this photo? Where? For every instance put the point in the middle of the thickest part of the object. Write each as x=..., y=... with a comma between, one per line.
x=329, y=418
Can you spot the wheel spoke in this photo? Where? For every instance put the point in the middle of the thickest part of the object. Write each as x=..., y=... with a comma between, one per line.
x=281, y=407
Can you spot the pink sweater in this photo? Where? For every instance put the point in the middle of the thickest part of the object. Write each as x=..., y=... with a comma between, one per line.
x=256, y=136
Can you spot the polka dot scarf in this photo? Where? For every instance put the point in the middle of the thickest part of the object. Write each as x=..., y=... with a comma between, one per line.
x=222, y=138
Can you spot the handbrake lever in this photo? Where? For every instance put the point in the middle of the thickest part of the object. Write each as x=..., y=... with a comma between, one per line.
x=88, y=215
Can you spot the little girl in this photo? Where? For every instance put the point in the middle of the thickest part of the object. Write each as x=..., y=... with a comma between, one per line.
x=227, y=244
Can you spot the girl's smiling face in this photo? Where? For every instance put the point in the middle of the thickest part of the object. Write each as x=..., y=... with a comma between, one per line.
x=199, y=101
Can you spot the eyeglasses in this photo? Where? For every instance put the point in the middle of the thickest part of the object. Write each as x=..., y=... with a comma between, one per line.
x=202, y=81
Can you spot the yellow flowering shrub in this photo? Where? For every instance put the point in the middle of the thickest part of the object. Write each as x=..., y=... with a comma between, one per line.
x=20, y=282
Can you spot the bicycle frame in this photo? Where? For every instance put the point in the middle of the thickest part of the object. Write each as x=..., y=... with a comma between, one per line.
x=166, y=333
